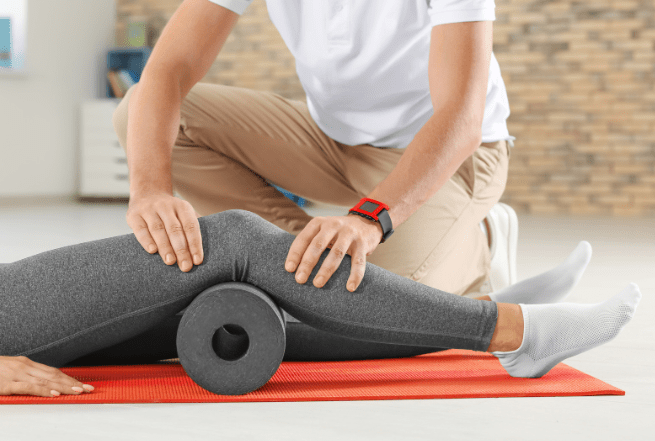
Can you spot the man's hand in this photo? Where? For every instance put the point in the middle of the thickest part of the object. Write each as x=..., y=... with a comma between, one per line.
x=169, y=225
x=349, y=234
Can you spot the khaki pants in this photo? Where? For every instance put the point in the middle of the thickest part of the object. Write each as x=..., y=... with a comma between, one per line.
x=233, y=140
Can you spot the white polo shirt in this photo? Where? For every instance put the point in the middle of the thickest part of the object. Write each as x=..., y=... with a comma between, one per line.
x=364, y=64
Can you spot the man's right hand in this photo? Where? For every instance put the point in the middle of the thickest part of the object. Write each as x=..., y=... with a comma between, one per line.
x=169, y=225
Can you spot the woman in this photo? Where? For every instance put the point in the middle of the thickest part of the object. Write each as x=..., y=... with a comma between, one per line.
x=62, y=304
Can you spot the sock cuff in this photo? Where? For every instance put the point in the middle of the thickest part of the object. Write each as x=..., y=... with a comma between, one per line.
x=526, y=326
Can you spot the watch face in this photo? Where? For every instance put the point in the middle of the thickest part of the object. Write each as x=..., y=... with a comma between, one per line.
x=368, y=207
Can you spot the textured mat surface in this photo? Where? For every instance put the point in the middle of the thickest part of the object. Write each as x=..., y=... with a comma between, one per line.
x=447, y=374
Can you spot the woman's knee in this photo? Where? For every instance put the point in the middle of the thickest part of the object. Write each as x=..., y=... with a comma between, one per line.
x=239, y=229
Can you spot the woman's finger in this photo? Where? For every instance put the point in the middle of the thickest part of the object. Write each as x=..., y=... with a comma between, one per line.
x=58, y=378
x=62, y=388
x=24, y=388
x=56, y=375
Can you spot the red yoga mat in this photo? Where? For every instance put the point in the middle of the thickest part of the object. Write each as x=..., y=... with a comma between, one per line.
x=448, y=374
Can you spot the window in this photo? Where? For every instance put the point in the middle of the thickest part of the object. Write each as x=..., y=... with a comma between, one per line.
x=13, y=34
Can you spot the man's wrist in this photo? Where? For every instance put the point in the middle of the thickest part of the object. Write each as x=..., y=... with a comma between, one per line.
x=375, y=225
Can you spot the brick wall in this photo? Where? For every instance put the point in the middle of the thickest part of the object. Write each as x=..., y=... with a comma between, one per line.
x=580, y=83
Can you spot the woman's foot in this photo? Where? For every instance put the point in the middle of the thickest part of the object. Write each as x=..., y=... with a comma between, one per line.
x=552, y=333
x=549, y=287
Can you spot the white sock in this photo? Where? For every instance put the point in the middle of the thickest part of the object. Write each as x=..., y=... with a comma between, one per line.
x=552, y=333
x=551, y=286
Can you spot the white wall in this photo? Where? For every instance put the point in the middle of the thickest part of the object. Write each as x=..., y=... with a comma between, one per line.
x=67, y=42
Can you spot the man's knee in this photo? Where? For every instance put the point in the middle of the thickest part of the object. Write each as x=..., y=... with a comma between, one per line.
x=119, y=118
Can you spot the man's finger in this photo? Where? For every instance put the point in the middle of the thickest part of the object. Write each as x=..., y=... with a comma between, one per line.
x=177, y=237
x=142, y=234
x=312, y=254
x=357, y=269
x=157, y=229
x=300, y=244
x=192, y=233
x=332, y=261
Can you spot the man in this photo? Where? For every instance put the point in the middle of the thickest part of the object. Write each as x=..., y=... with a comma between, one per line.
x=405, y=124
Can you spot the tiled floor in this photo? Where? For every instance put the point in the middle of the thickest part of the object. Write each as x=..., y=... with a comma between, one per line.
x=623, y=252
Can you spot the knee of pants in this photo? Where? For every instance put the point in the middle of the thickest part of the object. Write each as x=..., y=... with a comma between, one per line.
x=119, y=118
x=240, y=232
x=236, y=227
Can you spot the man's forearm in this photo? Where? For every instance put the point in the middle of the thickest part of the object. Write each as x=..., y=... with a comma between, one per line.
x=153, y=125
x=430, y=160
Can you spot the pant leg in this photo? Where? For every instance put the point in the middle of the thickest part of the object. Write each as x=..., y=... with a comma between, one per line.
x=62, y=304
x=304, y=343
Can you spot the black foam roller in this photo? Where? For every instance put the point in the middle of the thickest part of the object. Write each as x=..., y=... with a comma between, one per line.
x=231, y=339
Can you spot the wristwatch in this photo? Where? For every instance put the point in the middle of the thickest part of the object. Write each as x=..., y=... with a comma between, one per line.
x=375, y=211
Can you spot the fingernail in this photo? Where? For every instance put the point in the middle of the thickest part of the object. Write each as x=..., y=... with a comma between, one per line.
x=289, y=266
x=186, y=264
x=300, y=277
x=88, y=387
x=55, y=393
x=319, y=280
x=169, y=258
x=152, y=248
x=196, y=259
x=351, y=286
x=77, y=389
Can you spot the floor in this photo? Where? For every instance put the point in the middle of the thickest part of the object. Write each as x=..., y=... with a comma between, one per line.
x=623, y=252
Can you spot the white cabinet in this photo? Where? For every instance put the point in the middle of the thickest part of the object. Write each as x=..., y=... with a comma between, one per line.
x=103, y=162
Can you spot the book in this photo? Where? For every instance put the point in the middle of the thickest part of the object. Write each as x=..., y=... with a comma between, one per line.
x=126, y=78
x=115, y=84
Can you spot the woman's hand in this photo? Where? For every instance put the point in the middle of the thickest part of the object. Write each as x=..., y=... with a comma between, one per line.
x=349, y=234
x=22, y=376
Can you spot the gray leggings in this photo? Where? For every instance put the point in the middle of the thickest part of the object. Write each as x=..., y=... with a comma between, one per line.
x=72, y=302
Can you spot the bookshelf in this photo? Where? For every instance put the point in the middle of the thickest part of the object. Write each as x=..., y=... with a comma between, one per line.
x=131, y=59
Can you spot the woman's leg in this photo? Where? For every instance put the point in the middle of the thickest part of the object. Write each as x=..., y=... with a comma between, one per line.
x=304, y=343
x=61, y=304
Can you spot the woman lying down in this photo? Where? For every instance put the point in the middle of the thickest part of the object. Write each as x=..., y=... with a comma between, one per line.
x=66, y=303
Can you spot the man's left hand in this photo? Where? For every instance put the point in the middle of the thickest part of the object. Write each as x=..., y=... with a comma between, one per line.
x=349, y=234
